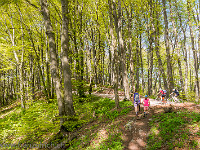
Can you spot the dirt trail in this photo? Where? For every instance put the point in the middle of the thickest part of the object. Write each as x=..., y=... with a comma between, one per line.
x=136, y=130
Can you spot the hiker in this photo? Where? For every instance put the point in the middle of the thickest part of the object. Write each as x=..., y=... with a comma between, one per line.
x=146, y=103
x=136, y=102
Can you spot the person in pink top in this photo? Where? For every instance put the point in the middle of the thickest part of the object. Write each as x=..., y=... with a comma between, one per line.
x=146, y=103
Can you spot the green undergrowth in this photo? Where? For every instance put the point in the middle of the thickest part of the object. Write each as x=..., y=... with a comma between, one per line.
x=105, y=112
x=39, y=124
x=174, y=130
x=20, y=129
x=97, y=137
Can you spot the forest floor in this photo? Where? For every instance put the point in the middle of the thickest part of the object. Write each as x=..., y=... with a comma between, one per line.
x=135, y=130
x=107, y=128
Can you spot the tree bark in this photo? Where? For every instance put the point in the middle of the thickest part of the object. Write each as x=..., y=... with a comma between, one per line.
x=113, y=48
x=177, y=48
x=123, y=52
x=194, y=51
x=184, y=51
x=68, y=99
x=169, y=65
x=157, y=49
x=150, y=53
x=53, y=58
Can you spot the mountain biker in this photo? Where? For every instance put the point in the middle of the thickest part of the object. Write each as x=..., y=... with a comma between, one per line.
x=163, y=94
x=159, y=95
x=136, y=102
x=175, y=94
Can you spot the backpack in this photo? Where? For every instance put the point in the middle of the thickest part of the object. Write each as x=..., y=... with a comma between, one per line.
x=164, y=91
x=136, y=97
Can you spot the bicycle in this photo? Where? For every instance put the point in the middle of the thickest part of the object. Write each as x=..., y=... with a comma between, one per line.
x=158, y=97
x=164, y=101
x=173, y=98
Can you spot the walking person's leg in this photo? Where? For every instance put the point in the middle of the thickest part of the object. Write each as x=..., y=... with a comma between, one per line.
x=136, y=109
x=145, y=110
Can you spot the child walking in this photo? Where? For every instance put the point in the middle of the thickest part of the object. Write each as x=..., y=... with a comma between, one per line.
x=146, y=103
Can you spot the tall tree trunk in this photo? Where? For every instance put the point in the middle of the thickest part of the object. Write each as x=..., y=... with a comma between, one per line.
x=194, y=51
x=53, y=58
x=137, y=65
x=113, y=48
x=169, y=65
x=94, y=57
x=177, y=47
x=157, y=49
x=20, y=63
x=130, y=47
x=141, y=61
x=81, y=69
x=184, y=51
x=123, y=52
x=68, y=99
x=47, y=70
x=150, y=53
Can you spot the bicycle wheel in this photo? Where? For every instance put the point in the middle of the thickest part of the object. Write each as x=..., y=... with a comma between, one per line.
x=170, y=99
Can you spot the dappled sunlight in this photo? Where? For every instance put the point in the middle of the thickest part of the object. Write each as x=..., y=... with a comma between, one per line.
x=193, y=129
x=4, y=115
x=141, y=142
x=139, y=124
x=102, y=135
x=154, y=131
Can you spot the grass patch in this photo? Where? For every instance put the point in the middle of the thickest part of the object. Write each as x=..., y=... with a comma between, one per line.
x=170, y=130
x=32, y=126
x=106, y=114
x=40, y=122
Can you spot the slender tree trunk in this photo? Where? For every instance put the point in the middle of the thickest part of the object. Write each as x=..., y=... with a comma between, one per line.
x=48, y=71
x=129, y=16
x=194, y=51
x=157, y=49
x=169, y=65
x=41, y=74
x=141, y=61
x=150, y=53
x=177, y=48
x=94, y=57
x=68, y=99
x=184, y=51
x=115, y=60
x=137, y=66
x=20, y=63
x=123, y=52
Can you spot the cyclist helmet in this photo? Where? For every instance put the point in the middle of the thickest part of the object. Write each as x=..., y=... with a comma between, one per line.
x=146, y=96
x=173, y=89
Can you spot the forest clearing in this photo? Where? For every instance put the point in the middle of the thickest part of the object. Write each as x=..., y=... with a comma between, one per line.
x=73, y=74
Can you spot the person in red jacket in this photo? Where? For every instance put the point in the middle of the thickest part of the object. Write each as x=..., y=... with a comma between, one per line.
x=163, y=94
